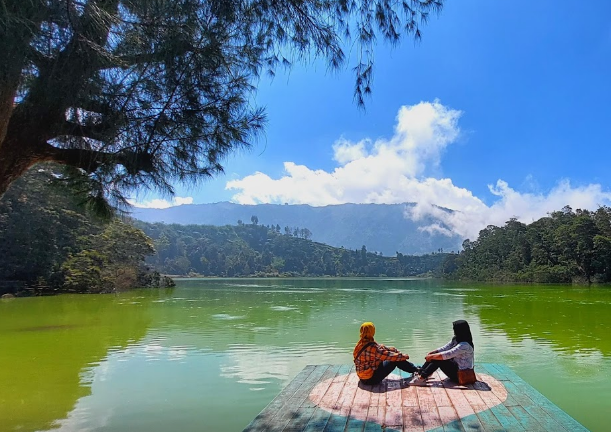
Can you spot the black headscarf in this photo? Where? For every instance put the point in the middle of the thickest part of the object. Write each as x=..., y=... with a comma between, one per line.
x=462, y=332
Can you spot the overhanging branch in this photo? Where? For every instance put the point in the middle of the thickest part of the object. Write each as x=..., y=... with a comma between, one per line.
x=89, y=160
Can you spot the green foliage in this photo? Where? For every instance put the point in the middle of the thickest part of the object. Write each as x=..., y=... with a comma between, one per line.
x=49, y=244
x=258, y=250
x=565, y=246
x=141, y=92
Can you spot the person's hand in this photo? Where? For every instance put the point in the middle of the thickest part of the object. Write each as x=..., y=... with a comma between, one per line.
x=430, y=352
x=434, y=356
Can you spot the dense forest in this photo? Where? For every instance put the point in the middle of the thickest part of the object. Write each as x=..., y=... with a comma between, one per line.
x=566, y=246
x=258, y=250
x=50, y=243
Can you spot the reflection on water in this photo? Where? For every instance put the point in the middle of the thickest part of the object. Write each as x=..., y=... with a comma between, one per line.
x=185, y=359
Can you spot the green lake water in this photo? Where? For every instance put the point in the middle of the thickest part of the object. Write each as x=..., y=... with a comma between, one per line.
x=208, y=355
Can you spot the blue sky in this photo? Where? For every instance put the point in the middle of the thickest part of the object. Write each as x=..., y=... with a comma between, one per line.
x=501, y=110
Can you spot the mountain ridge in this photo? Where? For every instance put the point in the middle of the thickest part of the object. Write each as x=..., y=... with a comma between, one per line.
x=380, y=227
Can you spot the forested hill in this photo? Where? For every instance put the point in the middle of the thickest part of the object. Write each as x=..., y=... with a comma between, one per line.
x=50, y=244
x=566, y=246
x=257, y=250
x=382, y=227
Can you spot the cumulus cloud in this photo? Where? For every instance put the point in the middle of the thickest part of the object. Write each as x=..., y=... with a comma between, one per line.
x=369, y=171
x=399, y=169
x=161, y=203
x=474, y=215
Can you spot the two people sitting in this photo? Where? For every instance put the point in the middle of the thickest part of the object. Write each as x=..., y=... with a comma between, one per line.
x=375, y=361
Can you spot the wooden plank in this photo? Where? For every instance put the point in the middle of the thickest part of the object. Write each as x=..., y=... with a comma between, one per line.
x=375, y=418
x=318, y=392
x=431, y=417
x=360, y=405
x=409, y=396
x=318, y=421
x=499, y=373
x=348, y=394
x=562, y=417
x=337, y=421
x=463, y=408
x=302, y=396
x=355, y=425
x=394, y=413
x=492, y=400
x=520, y=394
x=293, y=411
x=450, y=420
x=429, y=408
x=505, y=403
x=378, y=394
x=261, y=422
x=528, y=422
x=506, y=419
x=489, y=421
x=412, y=419
x=331, y=396
x=439, y=392
x=299, y=423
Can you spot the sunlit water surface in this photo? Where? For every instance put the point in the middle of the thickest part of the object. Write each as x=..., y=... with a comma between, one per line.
x=210, y=354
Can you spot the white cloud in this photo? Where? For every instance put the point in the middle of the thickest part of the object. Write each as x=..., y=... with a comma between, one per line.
x=161, y=203
x=368, y=171
x=399, y=170
x=473, y=215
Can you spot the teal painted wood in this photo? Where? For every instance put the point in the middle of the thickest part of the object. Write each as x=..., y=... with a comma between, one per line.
x=489, y=421
x=266, y=416
x=329, y=398
x=521, y=391
x=560, y=416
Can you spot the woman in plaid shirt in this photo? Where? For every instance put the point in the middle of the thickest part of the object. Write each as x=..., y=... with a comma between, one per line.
x=374, y=361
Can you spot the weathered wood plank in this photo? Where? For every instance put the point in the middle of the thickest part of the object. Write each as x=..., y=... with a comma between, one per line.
x=463, y=408
x=528, y=422
x=375, y=417
x=317, y=394
x=293, y=412
x=409, y=397
x=489, y=421
x=331, y=399
x=378, y=394
x=568, y=422
x=412, y=419
x=450, y=420
x=521, y=395
x=318, y=421
x=261, y=422
x=505, y=418
x=439, y=392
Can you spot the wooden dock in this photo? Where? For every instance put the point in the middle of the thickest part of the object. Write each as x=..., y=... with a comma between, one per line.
x=330, y=398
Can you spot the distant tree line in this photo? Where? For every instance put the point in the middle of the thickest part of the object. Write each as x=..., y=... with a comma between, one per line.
x=288, y=231
x=566, y=246
x=49, y=243
x=259, y=250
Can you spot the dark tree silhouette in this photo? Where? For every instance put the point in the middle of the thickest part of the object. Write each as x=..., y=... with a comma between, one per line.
x=144, y=93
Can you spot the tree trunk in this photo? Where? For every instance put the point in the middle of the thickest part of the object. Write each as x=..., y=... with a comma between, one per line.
x=15, y=160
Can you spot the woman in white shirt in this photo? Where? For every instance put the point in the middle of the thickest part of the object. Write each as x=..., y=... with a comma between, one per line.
x=456, y=354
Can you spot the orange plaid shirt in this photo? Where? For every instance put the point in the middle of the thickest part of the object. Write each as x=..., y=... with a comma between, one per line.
x=372, y=356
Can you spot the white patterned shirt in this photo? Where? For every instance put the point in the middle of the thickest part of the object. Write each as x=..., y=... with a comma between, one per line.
x=460, y=352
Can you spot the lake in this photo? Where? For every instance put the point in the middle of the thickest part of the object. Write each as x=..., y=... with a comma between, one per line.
x=209, y=354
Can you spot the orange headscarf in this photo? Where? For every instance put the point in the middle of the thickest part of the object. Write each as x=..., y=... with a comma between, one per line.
x=368, y=330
